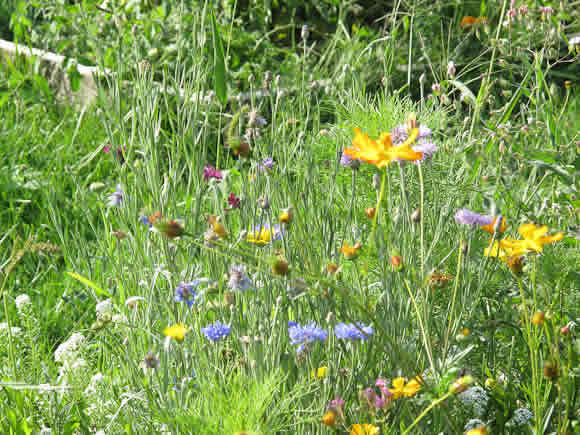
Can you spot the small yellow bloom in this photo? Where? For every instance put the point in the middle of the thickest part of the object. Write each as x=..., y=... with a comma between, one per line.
x=320, y=372
x=350, y=252
x=481, y=430
x=264, y=235
x=286, y=215
x=329, y=419
x=177, y=332
x=364, y=429
x=409, y=389
x=381, y=152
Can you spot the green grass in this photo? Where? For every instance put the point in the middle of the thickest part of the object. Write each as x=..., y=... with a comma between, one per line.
x=512, y=153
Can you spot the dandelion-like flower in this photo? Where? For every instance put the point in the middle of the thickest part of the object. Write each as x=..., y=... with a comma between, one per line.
x=116, y=198
x=353, y=331
x=215, y=331
x=177, y=332
x=409, y=389
x=381, y=152
x=485, y=222
x=534, y=239
x=239, y=281
x=264, y=234
x=303, y=335
x=364, y=429
x=185, y=292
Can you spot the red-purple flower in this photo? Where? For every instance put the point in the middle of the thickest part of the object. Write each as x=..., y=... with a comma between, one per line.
x=234, y=201
x=210, y=172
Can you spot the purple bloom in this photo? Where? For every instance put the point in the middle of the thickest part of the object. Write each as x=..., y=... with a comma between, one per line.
x=234, y=201
x=467, y=217
x=238, y=279
x=185, y=292
x=356, y=331
x=267, y=163
x=303, y=335
x=120, y=153
x=336, y=404
x=215, y=331
x=422, y=144
x=116, y=198
x=348, y=162
x=210, y=172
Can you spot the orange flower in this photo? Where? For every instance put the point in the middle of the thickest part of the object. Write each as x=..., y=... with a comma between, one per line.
x=481, y=430
x=381, y=152
x=329, y=419
x=534, y=240
x=408, y=390
x=350, y=252
x=364, y=429
x=468, y=22
x=489, y=228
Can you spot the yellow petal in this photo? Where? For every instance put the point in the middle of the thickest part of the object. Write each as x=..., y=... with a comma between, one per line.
x=177, y=332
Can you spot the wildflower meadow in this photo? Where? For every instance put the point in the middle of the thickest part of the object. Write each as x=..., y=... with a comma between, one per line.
x=303, y=217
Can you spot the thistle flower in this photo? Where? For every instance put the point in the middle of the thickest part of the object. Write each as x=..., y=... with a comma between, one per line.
x=239, y=281
x=348, y=162
x=485, y=222
x=210, y=172
x=115, y=199
x=216, y=331
x=423, y=142
x=356, y=331
x=185, y=292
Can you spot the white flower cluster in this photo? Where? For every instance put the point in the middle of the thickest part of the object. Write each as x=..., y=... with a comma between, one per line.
x=521, y=417
x=15, y=331
x=22, y=303
x=67, y=351
x=476, y=399
x=103, y=308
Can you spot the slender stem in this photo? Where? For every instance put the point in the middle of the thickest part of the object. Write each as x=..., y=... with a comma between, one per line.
x=426, y=411
x=422, y=221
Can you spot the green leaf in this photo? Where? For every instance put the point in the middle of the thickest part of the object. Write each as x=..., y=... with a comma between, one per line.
x=219, y=65
x=98, y=290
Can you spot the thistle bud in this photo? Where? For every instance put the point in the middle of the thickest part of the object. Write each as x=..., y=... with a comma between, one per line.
x=565, y=331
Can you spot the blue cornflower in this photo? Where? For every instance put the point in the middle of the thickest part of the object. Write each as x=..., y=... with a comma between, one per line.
x=356, y=331
x=305, y=334
x=216, y=330
x=267, y=163
x=185, y=292
x=116, y=198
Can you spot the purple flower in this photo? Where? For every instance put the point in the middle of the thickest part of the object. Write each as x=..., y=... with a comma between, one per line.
x=120, y=153
x=238, y=279
x=467, y=217
x=116, y=198
x=234, y=201
x=185, y=292
x=267, y=163
x=336, y=405
x=210, y=172
x=348, y=162
x=215, y=331
x=356, y=331
x=303, y=335
x=422, y=144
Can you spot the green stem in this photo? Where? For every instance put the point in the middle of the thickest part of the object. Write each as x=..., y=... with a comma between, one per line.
x=426, y=411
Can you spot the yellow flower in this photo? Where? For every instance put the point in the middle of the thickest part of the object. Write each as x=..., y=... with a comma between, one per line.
x=350, y=252
x=264, y=235
x=320, y=372
x=409, y=389
x=381, y=152
x=364, y=429
x=489, y=228
x=534, y=239
x=329, y=419
x=481, y=430
x=177, y=332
